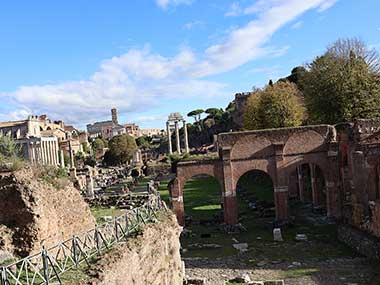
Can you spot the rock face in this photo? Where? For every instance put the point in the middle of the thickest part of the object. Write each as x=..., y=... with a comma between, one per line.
x=150, y=258
x=35, y=213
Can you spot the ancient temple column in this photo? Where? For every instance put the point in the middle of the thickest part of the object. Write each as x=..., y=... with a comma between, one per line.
x=177, y=137
x=186, y=137
x=38, y=153
x=169, y=137
x=50, y=153
x=62, y=159
x=57, y=152
x=32, y=152
x=52, y=143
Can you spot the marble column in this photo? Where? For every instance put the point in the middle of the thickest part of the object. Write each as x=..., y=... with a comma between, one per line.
x=169, y=137
x=177, y=137
x=32, y=152
x=49, y=153
x=62, y=159
x=186, y=137
x=56, y=150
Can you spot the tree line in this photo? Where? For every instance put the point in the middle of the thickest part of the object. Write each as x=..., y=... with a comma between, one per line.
x=341, y=85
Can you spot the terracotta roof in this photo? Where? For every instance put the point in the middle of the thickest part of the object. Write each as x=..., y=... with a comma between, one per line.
x=70, y=129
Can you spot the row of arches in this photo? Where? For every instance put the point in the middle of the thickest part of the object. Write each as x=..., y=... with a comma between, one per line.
x=203, y=193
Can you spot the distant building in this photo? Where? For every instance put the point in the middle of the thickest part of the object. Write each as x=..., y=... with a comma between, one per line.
x=42, y=139
x=106, y=129
x=38, y=137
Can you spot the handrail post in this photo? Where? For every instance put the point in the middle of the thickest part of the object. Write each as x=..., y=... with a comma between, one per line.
x=45, y=265
x=97, y=239
x=116, y=233
x=74, y=246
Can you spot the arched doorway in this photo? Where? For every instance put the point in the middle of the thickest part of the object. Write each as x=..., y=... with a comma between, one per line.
x=255, y=196
x=307, y=186
x=202, y=200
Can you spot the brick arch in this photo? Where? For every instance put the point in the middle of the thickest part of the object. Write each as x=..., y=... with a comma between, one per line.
x=319, y=161
x=251, y=146
x=264, y=165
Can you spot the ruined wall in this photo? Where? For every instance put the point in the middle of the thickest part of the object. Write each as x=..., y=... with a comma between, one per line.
x=150, y=258
x=35, y=213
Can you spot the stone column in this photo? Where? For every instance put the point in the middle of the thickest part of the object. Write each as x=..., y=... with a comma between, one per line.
x=314, y=191
x=169, y=138
x=62, y=159
x=32, y=153
x=39, y=153
x=72, y=163
x=177, y=137
x=90, y=184
x=57, y=152
x=186, y=137
x=43, y=152
x=53, y=153
x=48, y=152
x=300, y=183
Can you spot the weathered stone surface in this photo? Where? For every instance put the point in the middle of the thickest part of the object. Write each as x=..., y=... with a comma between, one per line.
x=150, y=258
x=277, y=236
x=34, y=213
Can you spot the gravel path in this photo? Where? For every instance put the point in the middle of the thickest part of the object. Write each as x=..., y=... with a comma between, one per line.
x=340, y=271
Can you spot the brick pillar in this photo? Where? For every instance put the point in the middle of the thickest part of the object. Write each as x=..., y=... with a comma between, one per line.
x=176, y=200
x=333, y=199
x=360, y=178
x=280, y=185
x=229, y=190
x=300, y=183
x=281, y=203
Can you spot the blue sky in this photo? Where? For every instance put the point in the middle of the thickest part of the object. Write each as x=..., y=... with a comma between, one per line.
x=75, y=59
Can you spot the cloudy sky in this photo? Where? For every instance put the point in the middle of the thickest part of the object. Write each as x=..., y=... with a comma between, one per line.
x=76, y=59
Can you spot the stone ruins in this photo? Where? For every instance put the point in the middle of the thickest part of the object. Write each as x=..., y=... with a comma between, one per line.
x=173, y=124
x=342, y=162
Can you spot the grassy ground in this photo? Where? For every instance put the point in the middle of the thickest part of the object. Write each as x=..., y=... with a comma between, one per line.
x=202, y=200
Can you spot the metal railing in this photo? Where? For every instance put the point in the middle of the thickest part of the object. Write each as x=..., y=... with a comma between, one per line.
x=49, y=264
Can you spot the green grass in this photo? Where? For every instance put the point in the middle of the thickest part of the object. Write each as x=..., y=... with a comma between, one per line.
x=164, y=192
x=202, y=197
x=99, y=212
x=202, y=201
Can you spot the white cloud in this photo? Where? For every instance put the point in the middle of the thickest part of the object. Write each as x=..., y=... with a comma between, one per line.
x=326, y=5
x=191, y=25
x=297, y=25
x=166, y=3
x=140, y=79
x=234, y=10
